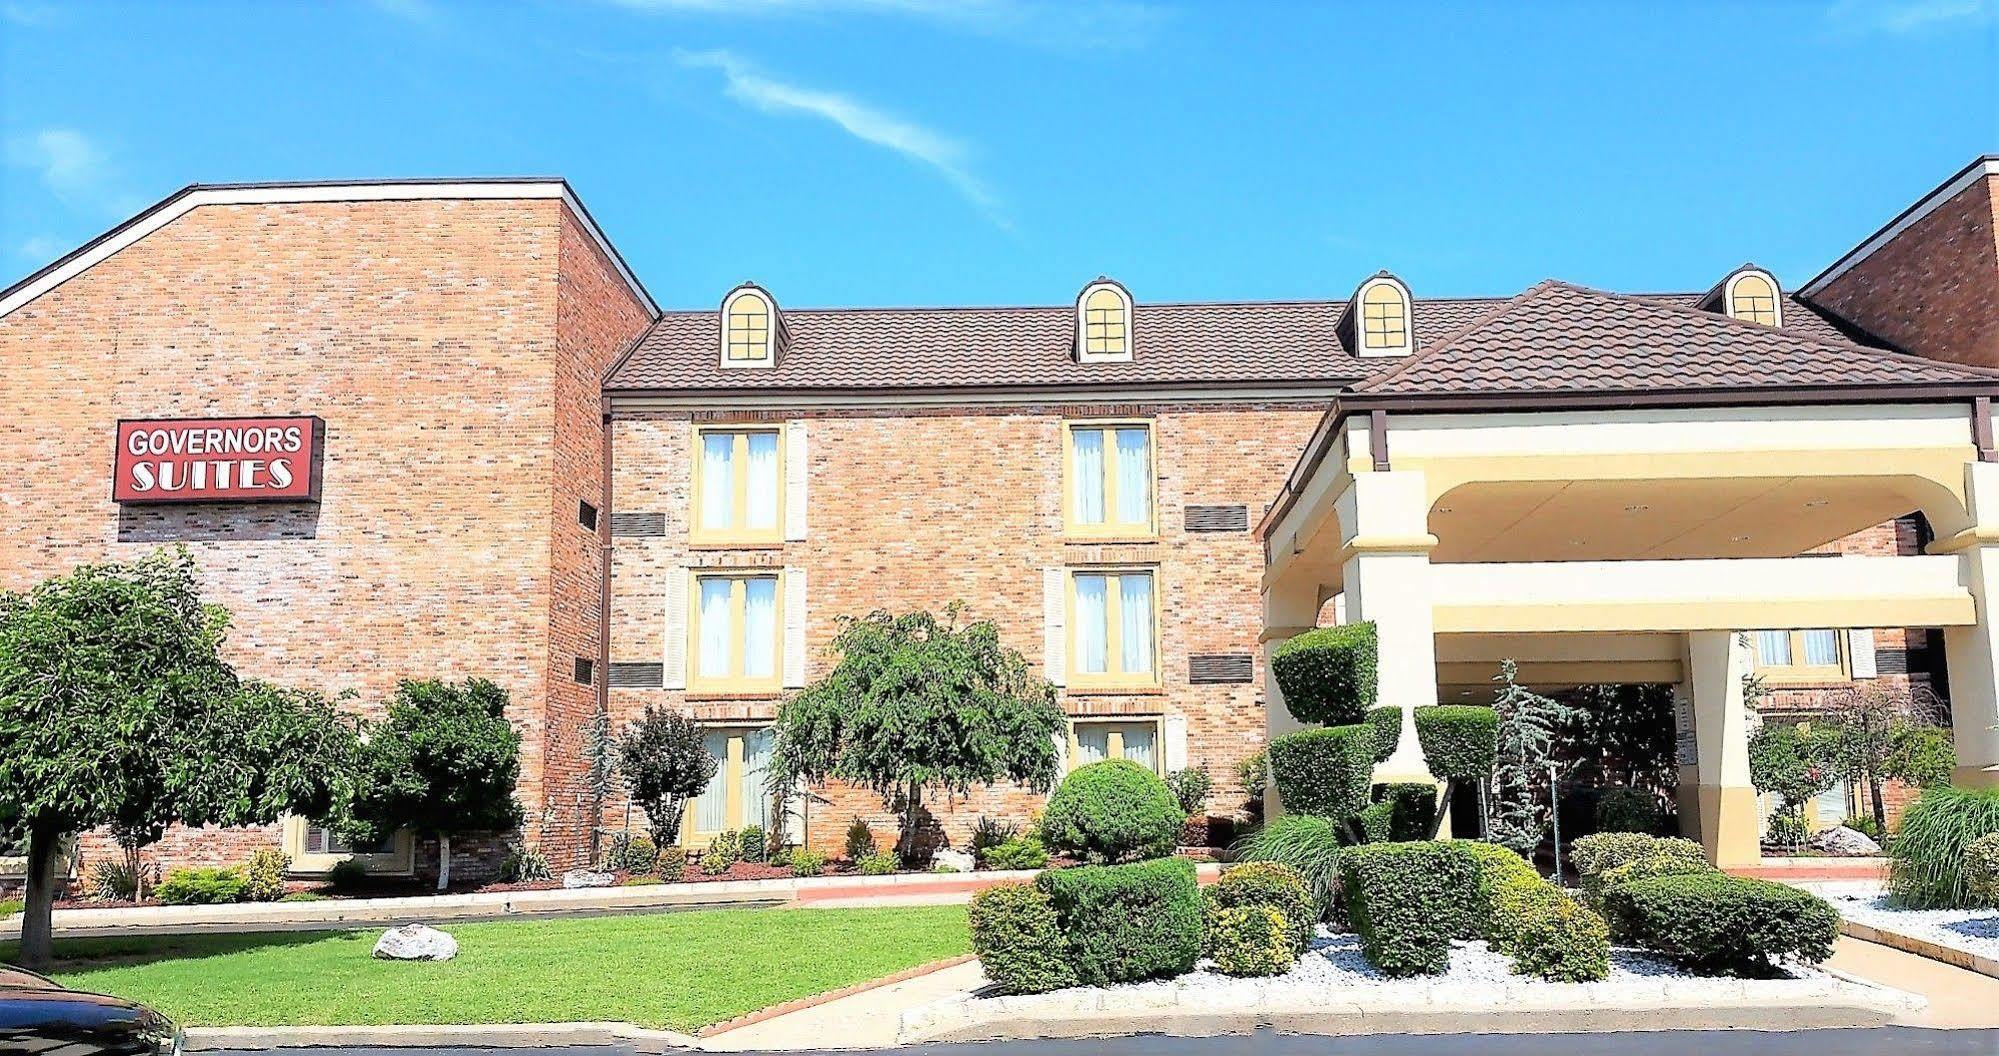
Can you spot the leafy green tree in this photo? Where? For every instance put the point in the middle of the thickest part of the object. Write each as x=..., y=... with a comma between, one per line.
x=443, y=760
x=1877, y=733
x=1528, y=726
x=919, y=705
x=117, y=709
x=665, y=764
x=1790, y=763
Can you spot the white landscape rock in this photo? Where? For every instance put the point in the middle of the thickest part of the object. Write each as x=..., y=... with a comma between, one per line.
x=1972, y=931
x=1841, y=840
x=576, y=878
x=415, y=942
x=956, y=861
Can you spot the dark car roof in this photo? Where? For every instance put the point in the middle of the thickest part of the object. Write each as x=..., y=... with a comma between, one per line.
x=29, y=1001
x=12, y=978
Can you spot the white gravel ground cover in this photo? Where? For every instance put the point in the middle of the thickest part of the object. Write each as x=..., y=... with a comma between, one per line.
x=1974, y=931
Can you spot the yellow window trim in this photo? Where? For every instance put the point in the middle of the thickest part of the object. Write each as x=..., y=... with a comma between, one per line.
x=739, y=463
x=1111, y=677
x=732, y=786
x=1114, y=746
x=754, y=326
x=399, y=860
x=1110, y=529
x=1799, y=673
x=735, y=683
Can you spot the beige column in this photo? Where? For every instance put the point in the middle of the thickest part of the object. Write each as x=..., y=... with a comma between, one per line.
x=1385, y=545
x=1289, y=605
x=1719, y=800
x=1971, y=654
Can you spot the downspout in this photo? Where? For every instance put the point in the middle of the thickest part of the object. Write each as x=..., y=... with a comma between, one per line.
x=603, y=622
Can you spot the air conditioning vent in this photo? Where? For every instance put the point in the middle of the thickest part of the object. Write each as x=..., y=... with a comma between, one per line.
x=1213, y=669
x=638, y=523
x=637, y=675
x=1218, y=518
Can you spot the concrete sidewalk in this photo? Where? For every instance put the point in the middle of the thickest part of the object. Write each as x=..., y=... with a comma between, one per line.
x=1957, y=998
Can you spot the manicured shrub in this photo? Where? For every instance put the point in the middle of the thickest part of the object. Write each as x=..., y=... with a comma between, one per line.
x=1327, y=675
x=1326, y=773
x=1308, y=846
x=1128, y=922
x=860, y=840
x=346, y=875
x=1407, y=901
x=1113, y=811
x=1018, y=852
x=264, y=875
x=1981, y=869
x=1506, y=884
x=1628, y=810
x=724, y=850
x=1272, y=885
x=671, y=863
x=1563, y=941
x=1650, y=866
x=1402, y=811
x=631, y=853
x=1721, y=924
x=1249, y=940
x=1019, y=940
x=807, y=863
x=1386, y=722
x=1254, y=773
x=1784, y=831
x=755, y=847
x=1458, y=740
x=201, y=887
x=1190, y=788
x=1596, y=855
x=1926, y=858
x=880, y=863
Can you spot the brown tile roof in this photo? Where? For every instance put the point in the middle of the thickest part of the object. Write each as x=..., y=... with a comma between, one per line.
x=1561, y=338
x=848, y=349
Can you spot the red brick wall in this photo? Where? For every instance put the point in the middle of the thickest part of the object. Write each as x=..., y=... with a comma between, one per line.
x=438, y=344
x=1934, y=288
x=919, y=508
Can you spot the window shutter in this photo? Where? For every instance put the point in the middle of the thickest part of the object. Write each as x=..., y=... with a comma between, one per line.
x=1175, y=727
x=1860, y=651
x=795, y=465
x=794, y=627
x=675, y=655
x=1054, y=637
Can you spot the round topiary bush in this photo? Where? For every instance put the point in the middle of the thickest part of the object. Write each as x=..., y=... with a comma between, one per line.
x=1981, y=869
x=1386, y=722
x=1273, y=885
x=1249, y=941
x=1018, y=939
x=1325, y=773
x=1327, y=675
x=1562, y=941
x=1113, y=811
x=1459, y=740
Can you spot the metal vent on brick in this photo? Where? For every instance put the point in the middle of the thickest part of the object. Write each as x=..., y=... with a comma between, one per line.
x=1217, y=668
x=1218, y=518
x=638, y=522
x=627, y=675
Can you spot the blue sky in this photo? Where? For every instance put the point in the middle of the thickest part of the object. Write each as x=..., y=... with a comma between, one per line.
x=990, y=151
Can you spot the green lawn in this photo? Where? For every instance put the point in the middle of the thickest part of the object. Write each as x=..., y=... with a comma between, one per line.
x=675, y=970
x=9, y=907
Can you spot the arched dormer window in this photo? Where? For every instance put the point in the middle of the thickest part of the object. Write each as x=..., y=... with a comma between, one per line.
x=1752, y=295
x=751, y=328
x=1382, y=318
x=1103, y=323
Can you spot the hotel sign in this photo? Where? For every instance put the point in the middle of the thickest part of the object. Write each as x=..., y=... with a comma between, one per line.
x=217, y=460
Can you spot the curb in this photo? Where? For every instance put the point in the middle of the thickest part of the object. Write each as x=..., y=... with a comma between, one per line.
x=476, y=1036
x=801, y=1004
x=1935, y=951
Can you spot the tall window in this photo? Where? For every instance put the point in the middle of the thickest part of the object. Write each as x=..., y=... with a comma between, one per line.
x=746, y=329
x=737, y=486
x=1753, y=297
x=1104, y=331
x=734, y=632
x=1114, y=629
x=1094, y=742
x=1800, y=656
x=735, y=796
x=1384, y=317
x=1110, y=479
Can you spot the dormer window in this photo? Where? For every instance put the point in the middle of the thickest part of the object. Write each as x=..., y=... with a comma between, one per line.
x=1751, y=295
x=1382, y=321
x=1103, y=323
x=751, y=328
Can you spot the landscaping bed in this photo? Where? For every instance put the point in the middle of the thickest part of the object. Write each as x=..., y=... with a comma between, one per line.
x=1973, y=931
x=678, y=971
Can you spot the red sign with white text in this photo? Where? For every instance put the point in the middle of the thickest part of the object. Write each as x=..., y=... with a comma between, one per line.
x=218, y=460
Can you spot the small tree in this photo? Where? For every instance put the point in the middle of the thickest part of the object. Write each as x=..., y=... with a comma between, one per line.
x=444, y=760
x=1528, y=724
x=600, y=752
x=1789, y=763
x=665, y=764
x=1876, y=734
x=916, y=704
x=116, y=709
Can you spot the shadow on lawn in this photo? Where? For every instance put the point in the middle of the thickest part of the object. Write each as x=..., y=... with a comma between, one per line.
x=77, y=955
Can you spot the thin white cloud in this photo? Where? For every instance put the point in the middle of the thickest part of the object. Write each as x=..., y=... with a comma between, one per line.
x=1909, y=16
x=42, y=248
x=1093, y=23
x=74, y=168
x=25, y=14
x=947, y=156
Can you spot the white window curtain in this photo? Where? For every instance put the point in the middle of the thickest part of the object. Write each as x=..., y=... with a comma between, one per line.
x=1087, y=476
x=714, y=655
x=1829, y=808
x=762, y=490
x=1773, y=648
x=1135, y=623
x=1092, y=625
x=760, y=627
x=1092, y=744
x=1821, y=648
x=756, y=798
x=1139, y=745
x=711, y=810
x=1134, y=478
x=718, y=482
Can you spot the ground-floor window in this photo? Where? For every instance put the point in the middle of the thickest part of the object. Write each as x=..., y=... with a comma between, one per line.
x=735, y=796
x=314, y=849
x=1800, y=655
x=1095, y=740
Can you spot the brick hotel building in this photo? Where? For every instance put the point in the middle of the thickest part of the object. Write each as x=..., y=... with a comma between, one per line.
x=526, y=471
